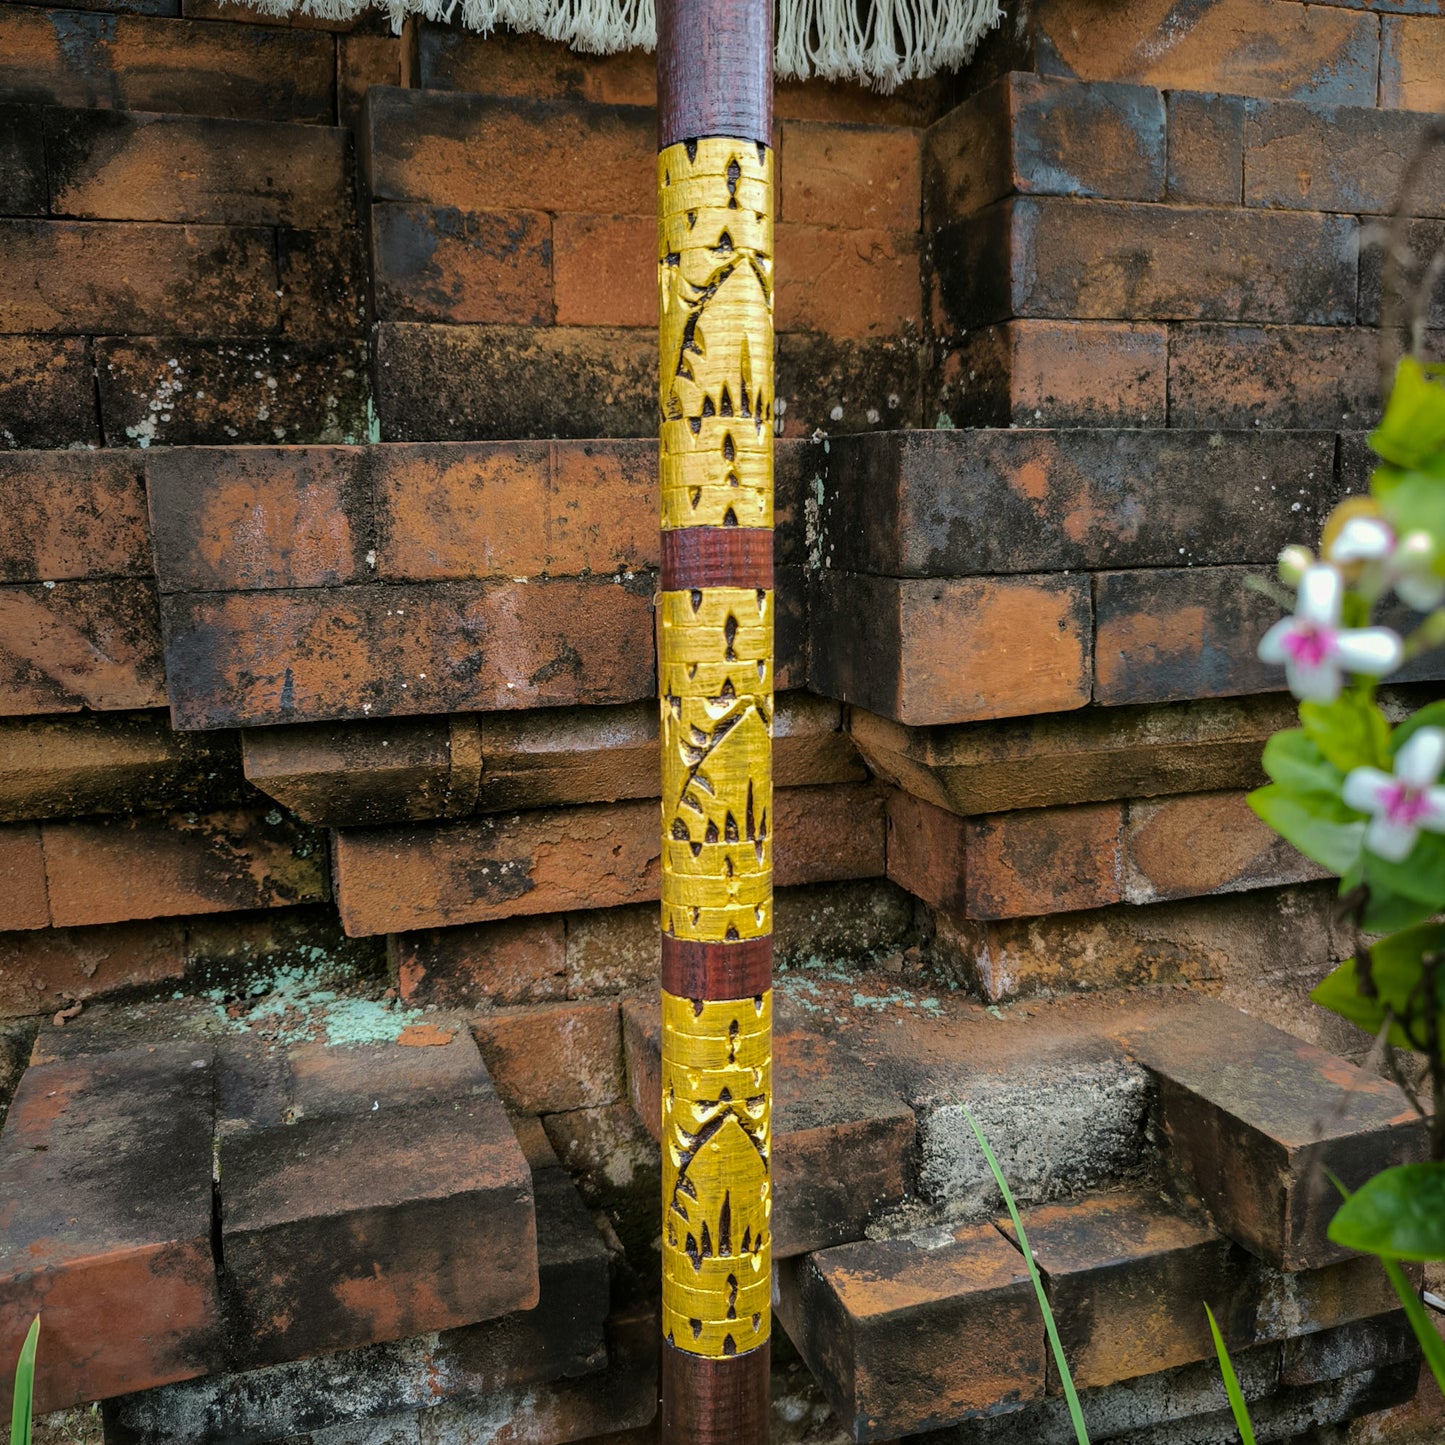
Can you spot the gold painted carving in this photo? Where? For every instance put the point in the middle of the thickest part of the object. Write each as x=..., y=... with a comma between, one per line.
x=717, y=1201
x=716, y=646
x=715, y=304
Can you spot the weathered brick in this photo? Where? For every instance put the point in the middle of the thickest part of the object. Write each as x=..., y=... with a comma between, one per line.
x=371, y=1192
x=105, y=1190
x=927, y=851
x=1057, y=374
x=75, y=276
x=1304, y=52
x=23, y=902
x=482, y=153
x=1228, y=376
x=146, y=63
x=1206, y=148
x=956, y=650
x=853, y=283
x=557, y=860
x=549, y=1057
x=1065, y=500
x=68, y=766
x=47, y=392
x=438, y=263
x=324, y=277
x=841, y=384
x=363, y=61
x=477, y=383
x=879, y=1325
x=1042, y=136
x=1406, y=295
x=1046, y=761
x=515, y=961
x=113, y=165
x=1412, y=63
x=1205, y=843
x=1050, y=256
x=109, y=872
x=49, y=969
x=827, y=1105
x=860, y=176
x=71, y=514
x=263, y=657
x=601, y=515
x=605, y=270
x=22, y=163
x=1179, y=633
x=1337, y=158
x=235, y=518
x=1256, y=1120
x=180, y=392
x=79, y=644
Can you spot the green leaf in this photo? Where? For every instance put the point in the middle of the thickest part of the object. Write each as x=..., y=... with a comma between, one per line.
x=1387, y=912
x=1076, y=1413
x=1237, y=1406
x=1421, y=876
x=1399, y=1214
x=1417, y=503
x=1432, y=715
x=1420, y=1322
x=1293, y=760
x=1339, y=992
x=1324, y=840
x=22, y=1406
x=1351, y=732
x=1396, y=971
x=1412, y=431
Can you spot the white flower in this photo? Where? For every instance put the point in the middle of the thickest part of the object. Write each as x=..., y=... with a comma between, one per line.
x=1404, y=563
x=1316, y=650
x=1402, y=802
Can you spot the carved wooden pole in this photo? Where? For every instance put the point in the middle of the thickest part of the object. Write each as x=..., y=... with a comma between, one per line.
x=715, y=274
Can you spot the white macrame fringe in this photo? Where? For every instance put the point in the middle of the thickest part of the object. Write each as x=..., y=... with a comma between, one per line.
x=881, y=42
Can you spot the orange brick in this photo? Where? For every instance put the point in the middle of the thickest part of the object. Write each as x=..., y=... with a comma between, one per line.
x=47, y=969
x=1205, y=843
x=361, y=62
x=72, y=514
x=1043, y=860
x=603, y=508
x=852, y=283
x=516, y=961
x=553, y=1057
x=47, y=392
x=437, y=263
x=1412, y=62
x=850, y=176
x=80, y=644
x=926, y=850
x=23, y=901
x=606, y=270
x=150, y=867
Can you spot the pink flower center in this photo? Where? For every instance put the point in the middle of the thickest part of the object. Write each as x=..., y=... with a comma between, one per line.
x=1402, y=805
x=1309, y=645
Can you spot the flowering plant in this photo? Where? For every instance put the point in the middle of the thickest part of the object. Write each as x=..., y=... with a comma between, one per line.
x=1365, y=799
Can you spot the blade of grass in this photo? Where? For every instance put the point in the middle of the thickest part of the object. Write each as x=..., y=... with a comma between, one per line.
x=1071, y=1395
x=20, y=1408
x=1237, y=1405
x=1420, y=1322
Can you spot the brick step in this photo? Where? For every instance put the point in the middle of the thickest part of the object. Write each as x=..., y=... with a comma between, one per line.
x=562, y=1338
x=880, y=1322
x=320, y=1148
x=827, y=1108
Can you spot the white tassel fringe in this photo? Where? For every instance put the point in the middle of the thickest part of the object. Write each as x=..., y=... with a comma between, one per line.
x=881, y=42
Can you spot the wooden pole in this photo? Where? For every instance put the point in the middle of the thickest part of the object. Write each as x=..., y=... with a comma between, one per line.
x=715, y=663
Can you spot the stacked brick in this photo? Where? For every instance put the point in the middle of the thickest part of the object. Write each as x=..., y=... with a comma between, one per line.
x=329, y=766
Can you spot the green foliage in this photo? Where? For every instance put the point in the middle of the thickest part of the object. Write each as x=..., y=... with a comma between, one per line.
x=1397, y=988
x=1237, y=1406
x=1399, y=1214
x=1420, y=1322
x=1076, y=1413
x=1411, y=434
x=22, y=1406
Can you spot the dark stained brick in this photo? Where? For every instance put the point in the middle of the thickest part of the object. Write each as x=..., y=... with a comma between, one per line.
x=79, y=645
x=371, y=1192
x=953, y=650
x=114, y=165
x=1423, y=241
x=1047, y=256
x=105, y=1198
x=47, y=392
x=323, y=289
x=512, y=961
x=71, y=514
x=837, y=385
x=1050, y=501
x=880, y=1325
x=1255, y=1120
x=1206, y=148
x=22, y=163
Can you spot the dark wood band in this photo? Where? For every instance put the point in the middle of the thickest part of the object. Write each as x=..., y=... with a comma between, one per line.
x=717, y=970
x=717, y=557
x=715, y=1402
x=714, y=70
